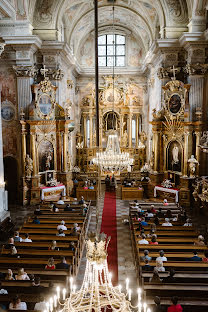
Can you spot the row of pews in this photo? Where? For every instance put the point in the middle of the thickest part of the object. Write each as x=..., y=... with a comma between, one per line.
x=178, y=243
x=33, y=256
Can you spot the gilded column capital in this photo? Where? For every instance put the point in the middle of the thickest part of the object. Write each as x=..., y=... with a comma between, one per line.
x=196, y=69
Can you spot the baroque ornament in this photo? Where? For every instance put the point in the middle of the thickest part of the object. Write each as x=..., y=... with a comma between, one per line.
x=25, y=71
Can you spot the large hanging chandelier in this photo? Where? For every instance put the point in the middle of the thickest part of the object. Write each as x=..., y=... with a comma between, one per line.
x=97, y=294
x=112, y=159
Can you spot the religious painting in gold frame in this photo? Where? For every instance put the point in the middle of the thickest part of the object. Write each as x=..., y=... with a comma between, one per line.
x=174, y=104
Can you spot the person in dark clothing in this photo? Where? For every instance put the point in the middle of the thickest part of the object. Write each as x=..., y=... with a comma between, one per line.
x=156, y=220
x=195, y=257
x=170, y=278
x=147, y=267
x=68, y=208
x=36, y=220
x=160, y=214
x=10, y=243
x=157, y=307
x=62, y=265
x=37, y=211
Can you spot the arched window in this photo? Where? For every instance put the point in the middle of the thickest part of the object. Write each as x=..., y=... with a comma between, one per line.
x=110, y=53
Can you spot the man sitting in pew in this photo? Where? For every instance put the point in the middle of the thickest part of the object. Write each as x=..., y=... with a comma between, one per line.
x=27, y=239
x=41, y=305
x=147, y=267
x=36, y=220
x=157, y=307
x=160, y=214
x=60, y=233
x=167, y=222
x=62, y=265
x=10, y=243
x=170, y=278
x=17, y=238
x=162, y=256
x=68, y=208
x=195, y=257
x=62, y=226
x=60, y=201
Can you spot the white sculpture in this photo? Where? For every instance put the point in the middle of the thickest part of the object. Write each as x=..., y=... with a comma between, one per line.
x=175, y=154
x=192, y=166
x=28, y=166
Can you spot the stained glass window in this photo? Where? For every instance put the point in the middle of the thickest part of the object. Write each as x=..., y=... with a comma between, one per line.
x=111, y=50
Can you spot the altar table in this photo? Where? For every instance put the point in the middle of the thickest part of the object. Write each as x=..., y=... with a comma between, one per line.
x=166, y=190
x=52, y=189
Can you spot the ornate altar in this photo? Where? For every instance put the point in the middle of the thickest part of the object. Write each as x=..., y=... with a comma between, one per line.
x=174, y=132
x=124, y=115
x=45, y=144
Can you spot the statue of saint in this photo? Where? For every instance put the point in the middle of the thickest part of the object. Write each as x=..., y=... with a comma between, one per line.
x=124, y=139
x=48, y=161
x=28, y=166
x=175, y=154
x=192, y=166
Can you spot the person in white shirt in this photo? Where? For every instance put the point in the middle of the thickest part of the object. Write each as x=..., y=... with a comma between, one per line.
x=188, y=223
x=22, y=276
x=159, y=266
x=76, y=227
x=167, y=222
x=60, y=233
x=40, y=306
x=62, y=226
x=143, y=241
x=161, y=257
x=17, y=304
x=17, y=238
x=60, y=202
x=27, y=239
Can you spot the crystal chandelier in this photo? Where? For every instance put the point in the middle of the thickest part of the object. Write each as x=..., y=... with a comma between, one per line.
x=97, y=294
x=112, y=159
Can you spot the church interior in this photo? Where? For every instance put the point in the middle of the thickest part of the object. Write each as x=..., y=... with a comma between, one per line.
x=104, y=155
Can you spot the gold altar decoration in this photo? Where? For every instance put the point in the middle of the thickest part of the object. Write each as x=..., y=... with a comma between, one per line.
x=45, y=138
x=126, y=109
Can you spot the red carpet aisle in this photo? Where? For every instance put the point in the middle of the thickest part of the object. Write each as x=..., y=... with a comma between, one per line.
x=109, y=227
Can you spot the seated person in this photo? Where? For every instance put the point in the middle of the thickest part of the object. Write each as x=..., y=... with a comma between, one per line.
x=156, y=220
x=147, y=266
x=159, y=266
x=37, y=211
x=152, y=209
x=50, y=265
x=91, y=187
x=62, y=265
x=151, y=233
x=158, y=307
x=161, y=257
x=167, y=222
x=143, y=222
x=188, y=223
x=62, y=226
x=77, y=227
x=13, y=251
x=27, y=239
x=54, y=208
x=17, y=304
x=160, y=214
x=205, y=259
x=2, y=290
x=85, y=208
x=82, y=201
x=143, y=241
x=72, y=246
x=168, y=214
x=149, y=213
x=146, y=256
x=195, y=257
x=53, y=246
x=22, y=275
x=60, y=201
x=41, y=305
x=200, y=241
x=36, y=220
x=17, y=238
x=175, y=307
x=60, y=233
x=154, y=240
x=68, y=208
x=10, y=243
x=165, y=202
x=155, y=278
x=170, y=278
x=9, y=275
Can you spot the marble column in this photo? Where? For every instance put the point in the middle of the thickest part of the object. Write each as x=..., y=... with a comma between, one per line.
x=3, y=194
x=130, y=130
x=91, y=130
x=137, y=131
x=65, y=148
x=101, y=130
x=121, y=126
x=85, y=130
x=24, y=132
x=198, y=136
x=186, y=153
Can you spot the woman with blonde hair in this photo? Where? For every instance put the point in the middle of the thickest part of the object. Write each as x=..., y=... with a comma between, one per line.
x=50, y=265
x=22, y=275
x=53, y=246
x=9, y=275
x=159, y=266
